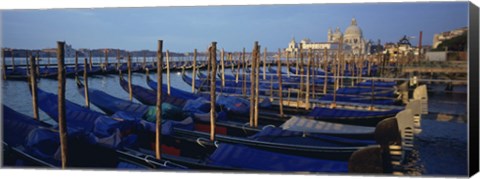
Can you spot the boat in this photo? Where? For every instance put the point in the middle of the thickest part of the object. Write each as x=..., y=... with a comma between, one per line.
x=337, y=115
x=29, y=142
x=173, y=91
x=272, y=138
x=204, y=154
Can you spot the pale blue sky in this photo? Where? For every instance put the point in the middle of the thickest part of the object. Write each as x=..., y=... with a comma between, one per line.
x=233, y=27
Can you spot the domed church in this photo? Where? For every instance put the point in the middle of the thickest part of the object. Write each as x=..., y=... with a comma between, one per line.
x=354, y=38
x=353, y=41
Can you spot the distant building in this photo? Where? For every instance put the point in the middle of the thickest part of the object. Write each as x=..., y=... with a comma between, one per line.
x=69, y=51
x=375, y=48
x=402, y=47
x=353, y=41
x=440, y=37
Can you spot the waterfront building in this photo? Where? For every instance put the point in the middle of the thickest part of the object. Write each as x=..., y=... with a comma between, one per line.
x=403, y=46
x=353, y=41
x=440, y=37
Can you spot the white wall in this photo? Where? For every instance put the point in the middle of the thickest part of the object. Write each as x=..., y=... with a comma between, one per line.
x=436, y=56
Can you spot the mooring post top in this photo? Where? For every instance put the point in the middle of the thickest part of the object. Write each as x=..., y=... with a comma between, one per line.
x=160, y=43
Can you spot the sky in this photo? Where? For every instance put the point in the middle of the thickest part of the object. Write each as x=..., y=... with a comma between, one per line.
x=232, y=27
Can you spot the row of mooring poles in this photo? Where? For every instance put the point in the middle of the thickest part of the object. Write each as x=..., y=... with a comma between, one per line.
x=61, y=95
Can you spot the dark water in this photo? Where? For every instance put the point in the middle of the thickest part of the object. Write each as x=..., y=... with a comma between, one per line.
x=441, y=148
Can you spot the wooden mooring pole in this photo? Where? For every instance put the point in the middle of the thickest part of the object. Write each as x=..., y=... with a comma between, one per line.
x=33, y=83
x=168, y=72
x=314, y=73
x=37, y=62
x=300, y=71
x=194, y=71
x=76, y=62
x=325, y=66
x=90, y=60
x=118, y=59
x=129, y=68
x=13, y=59
x=279, y=73
x=239, y=63
x=296, y=63
x=265, y=64
x=4, y=66
x=288, y=64
x=222, y=63
x=230, y=59
x=158, y=114
x=106, y=59
x=307, y=93
x=85, y=81
x=48, y=60
x=244, y=76
x=373, y=96
x=27, y=62
x=252, y=85
x=213, y=61
x=257, y=73
x=62, y=123
x=144, y=64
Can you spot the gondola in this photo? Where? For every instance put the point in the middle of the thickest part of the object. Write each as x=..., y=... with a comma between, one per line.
x=173, y=91
x=49, y=72
x=222, y=155
x=28, y=142
x=275, y=137
x=358, y=94
x=337, y=115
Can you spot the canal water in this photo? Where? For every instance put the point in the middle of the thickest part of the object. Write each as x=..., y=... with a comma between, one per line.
x=441, y=148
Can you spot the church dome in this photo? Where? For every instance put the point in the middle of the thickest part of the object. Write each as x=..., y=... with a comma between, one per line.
x=353, y=29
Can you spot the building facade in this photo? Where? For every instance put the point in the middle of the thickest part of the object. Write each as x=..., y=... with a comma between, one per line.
x=439, y=38
x=352, y=39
